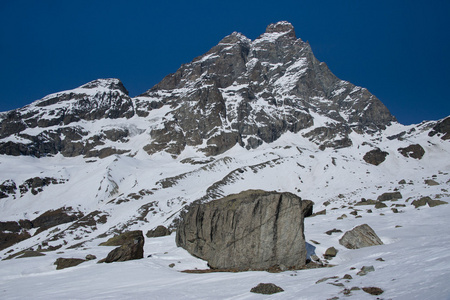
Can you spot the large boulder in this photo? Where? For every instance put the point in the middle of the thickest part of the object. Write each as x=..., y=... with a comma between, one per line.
x=131, y=247
x=251, y=230
x=359, y=237
x=415, y=151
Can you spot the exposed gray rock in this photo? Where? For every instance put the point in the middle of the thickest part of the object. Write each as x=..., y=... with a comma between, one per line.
x=158, y=231
x=251, y=230
x=330, y=253
x=266, y=289
x=91, y=257
x=359, y=237
x=431, y=182
x=373, y=290
x=62, y=263
x=375, y=157
x=391, y=196
x=427, y=200
x=415, y=151
x=132, y=247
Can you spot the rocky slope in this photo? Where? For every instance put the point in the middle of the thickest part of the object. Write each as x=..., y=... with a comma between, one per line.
x=240, y=92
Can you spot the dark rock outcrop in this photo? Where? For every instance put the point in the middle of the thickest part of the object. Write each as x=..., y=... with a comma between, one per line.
x=427, y=201
x=62, y=263
x=359, y=237
x=375, y=157
x=415, y=151
x=390, y=196
x=442, y=127
x=131, y=247
x=158, y=231
x=252, y=230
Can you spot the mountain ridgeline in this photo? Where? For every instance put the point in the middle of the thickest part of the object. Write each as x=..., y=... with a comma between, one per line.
x=240, y=92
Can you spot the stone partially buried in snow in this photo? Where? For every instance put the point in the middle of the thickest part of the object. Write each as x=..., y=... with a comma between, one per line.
x=132, y=247
x=266, y=289
x=252, y=230
x=375, y=157
x=359, y=237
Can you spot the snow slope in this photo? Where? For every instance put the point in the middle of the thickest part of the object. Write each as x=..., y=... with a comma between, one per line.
x=415, y=256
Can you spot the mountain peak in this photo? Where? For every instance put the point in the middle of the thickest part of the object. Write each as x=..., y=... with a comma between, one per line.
x=107, y=83
x=281, y=27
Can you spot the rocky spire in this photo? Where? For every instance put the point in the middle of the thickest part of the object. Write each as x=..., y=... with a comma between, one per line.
x=281, y=27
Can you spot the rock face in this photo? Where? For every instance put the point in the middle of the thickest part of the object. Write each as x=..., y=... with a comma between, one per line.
x=359, y=237
x=442, y=127
x=415, y=151
x=250, y=230
x=131, y=247
x=240, y=92
x=375, y=157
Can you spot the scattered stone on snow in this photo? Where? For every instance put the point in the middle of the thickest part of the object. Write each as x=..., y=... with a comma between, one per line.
x=380, y=205
x=254, y=230
x=431, y=182
x=91, y=257
x=158, y=232
x=31, y=253
x=427, y=200
x=171, y=265
x=403, y=181
x=359, y=237
x=330, y=253
x=390, y=196
x=131, y=247
x=326, y=278
x=334, y=230
x=62, y=263
x=347, y=276
x=266, y=289
x=373, y=290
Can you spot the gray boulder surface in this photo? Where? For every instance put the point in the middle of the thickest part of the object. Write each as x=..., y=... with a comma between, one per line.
x=131, y=247
x=62, y=263
x=359, y=237
x=254, y=230
x=266, y=289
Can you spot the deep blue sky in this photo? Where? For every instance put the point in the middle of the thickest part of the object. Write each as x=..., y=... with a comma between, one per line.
x=399, y=50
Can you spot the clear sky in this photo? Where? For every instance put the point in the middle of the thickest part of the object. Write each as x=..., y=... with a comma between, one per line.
x=398, y=50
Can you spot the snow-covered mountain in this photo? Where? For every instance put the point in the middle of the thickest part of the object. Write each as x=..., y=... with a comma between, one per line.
x=82, y=165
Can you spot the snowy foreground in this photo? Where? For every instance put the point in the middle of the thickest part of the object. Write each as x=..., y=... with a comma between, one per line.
x=413, y=263
x=415, y=266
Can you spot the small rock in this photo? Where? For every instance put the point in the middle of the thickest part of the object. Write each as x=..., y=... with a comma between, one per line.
x=90, y=257
x=62, y=263
x=394, y=210
x=315, y=242
x=359, y=237
x=336, y=284
x=380, y=205
x=330, y=253
x=158, y=232
x=392, y=196
x=326, y=278
x=329, y=232
x=266, y=289
x=373, y=290
x=403, y=181
x=431, y=182
x=380, y=259
x=314, y=257
x=355, y=288
x=347, y=276
x=171, y=265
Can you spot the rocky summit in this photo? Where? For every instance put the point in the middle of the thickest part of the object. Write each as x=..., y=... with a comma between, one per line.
x=241, y=92
x=94, y=166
